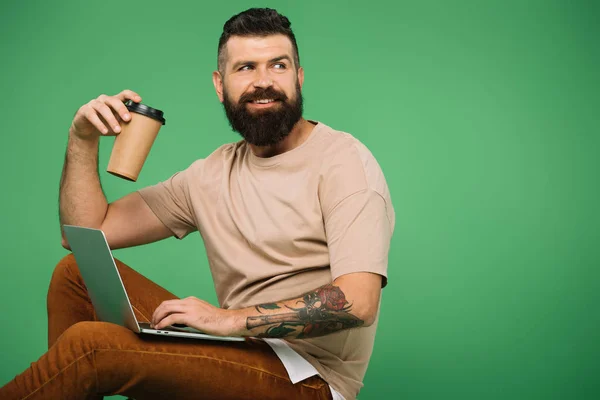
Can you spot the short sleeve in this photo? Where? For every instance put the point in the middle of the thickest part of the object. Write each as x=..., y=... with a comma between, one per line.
x=170, y=201
x=359, y=231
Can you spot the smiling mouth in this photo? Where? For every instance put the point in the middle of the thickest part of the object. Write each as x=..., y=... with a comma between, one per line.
x=263, y=101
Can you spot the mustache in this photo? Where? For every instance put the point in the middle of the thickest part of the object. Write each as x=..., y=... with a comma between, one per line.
x=263, y=94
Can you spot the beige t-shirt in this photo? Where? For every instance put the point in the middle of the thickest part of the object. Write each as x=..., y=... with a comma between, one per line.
x=276, y=228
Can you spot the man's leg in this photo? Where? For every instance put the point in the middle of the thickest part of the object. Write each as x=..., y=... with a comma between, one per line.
x=99, y=358
x=68, y=300
x=88, y=359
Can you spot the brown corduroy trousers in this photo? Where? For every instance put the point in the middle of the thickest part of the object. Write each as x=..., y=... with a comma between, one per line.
x=88, y=359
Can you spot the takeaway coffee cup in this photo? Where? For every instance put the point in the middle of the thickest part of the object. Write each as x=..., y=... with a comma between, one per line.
x=132, y=145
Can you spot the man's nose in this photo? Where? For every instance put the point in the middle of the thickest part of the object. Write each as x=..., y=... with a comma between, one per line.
x=263, y=80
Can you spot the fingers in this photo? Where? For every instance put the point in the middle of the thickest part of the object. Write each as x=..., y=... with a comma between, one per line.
x=103, y=115
x=129, y=95
x=195, y=313
x=170, y=320
x=100, y=106
x=104, y=106
x=166, y=308
x=119, y=107
x=92, y=116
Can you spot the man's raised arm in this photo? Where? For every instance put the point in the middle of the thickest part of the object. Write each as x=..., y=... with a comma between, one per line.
x=125, y=222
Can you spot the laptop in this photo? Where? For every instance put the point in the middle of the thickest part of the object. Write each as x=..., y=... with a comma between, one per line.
x=105, y=286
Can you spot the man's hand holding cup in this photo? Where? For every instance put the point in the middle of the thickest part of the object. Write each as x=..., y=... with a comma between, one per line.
x=136, y=126
x=103, y=115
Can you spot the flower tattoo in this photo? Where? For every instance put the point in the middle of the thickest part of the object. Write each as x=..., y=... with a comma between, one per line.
x=323, y=311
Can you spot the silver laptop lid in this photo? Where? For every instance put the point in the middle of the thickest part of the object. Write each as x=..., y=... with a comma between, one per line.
x=100, y=275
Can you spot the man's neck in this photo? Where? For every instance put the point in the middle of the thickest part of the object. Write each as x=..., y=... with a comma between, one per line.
x=300, y=132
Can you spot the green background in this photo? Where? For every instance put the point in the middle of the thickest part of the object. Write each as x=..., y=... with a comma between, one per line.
x=483, y=115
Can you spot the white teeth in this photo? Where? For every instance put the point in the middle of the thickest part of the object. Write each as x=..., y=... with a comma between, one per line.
x=263, y=101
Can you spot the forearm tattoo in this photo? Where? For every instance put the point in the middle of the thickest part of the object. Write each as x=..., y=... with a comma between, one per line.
x=321, y=312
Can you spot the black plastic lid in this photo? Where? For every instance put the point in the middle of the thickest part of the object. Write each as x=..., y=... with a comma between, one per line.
x=145, y=110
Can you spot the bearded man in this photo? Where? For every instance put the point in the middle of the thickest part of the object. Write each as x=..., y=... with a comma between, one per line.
x=296, y=220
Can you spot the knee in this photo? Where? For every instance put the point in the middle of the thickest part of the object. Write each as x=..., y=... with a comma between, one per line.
x=67, y=266
x=89, y=336
x=65, y=275
x=80, y=332
x=67, y=260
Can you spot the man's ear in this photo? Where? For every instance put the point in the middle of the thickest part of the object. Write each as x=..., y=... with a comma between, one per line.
x=218, y=82
x=300, y=76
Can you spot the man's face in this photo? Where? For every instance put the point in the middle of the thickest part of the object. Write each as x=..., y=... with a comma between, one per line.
x=260, y=88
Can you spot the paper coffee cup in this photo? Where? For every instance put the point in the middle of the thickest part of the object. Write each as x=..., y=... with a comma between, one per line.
x=132, y=145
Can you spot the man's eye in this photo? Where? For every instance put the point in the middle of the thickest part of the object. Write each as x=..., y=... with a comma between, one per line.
x=280, y=66
x=245, y=68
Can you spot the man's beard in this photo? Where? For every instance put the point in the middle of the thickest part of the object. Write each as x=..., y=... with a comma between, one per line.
x=264, y=127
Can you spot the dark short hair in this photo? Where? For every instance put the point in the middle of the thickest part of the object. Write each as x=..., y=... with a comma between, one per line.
x=256, y=22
